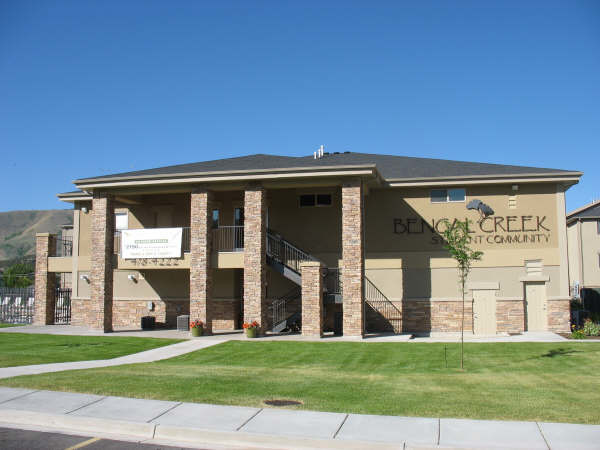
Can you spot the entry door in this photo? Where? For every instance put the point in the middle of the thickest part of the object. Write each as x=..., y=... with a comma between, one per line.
x=484, y=312
x=535, y=301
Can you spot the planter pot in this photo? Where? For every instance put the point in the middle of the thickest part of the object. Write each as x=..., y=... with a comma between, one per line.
x=251, y=333
x=197, y=332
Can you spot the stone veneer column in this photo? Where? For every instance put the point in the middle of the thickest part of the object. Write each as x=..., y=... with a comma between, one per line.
x=201, y=304
x=99, y=314
x=255, y=307
x=312, y=299
x=352, y=257
x=45, y=282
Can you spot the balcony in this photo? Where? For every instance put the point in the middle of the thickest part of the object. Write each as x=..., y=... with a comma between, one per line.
x=224, y=239
x=60, y=259
x=228, y=239
x=227, y=245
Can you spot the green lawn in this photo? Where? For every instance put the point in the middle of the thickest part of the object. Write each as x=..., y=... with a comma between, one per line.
x=20, y=349
x=518, y=381
x=8, y=325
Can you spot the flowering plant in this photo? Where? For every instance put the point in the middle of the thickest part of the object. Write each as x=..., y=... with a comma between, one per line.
x=196, y=324
x=253, y=324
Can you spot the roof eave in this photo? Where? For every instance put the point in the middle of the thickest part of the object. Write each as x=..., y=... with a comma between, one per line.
x=221, y=173
x=365, y=170
x=565, y=177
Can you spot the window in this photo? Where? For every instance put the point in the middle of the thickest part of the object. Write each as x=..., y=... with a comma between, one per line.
x=307, y=200
x=315, y=200
x=323, y=199
x=448, y=195
x=439, y=196
x=215, y=218
x=121, y=221
x=598, y=226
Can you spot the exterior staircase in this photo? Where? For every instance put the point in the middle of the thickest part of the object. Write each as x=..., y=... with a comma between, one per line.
x=286, y=258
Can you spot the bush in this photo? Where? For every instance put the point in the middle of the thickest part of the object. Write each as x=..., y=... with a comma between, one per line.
x=18, y=275
x=577, y=334
x=590, y=328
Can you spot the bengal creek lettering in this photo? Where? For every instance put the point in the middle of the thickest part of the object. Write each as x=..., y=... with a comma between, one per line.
x=491, y=230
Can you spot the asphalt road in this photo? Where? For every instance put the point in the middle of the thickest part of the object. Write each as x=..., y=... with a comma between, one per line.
x=11, y=438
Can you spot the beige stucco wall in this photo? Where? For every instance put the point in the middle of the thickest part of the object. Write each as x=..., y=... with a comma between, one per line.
x=403, y=257
x=574, y=253
x=584, y=253
x=591, y=252
x=316, y=230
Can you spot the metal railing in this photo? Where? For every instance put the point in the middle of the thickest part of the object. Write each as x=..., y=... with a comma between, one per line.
x=185, y=240
x=279, y=307
x=17, y=305
x=62, y=306
x=286, y=253
x=382, y=309
x=228, y=238
x=333, y=280
x=64, y=247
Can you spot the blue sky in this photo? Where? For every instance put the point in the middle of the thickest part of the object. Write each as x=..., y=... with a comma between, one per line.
x=97, y=87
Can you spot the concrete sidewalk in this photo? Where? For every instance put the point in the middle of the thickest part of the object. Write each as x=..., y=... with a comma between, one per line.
x=222, y=335
x=194, y=424
x=156, y=354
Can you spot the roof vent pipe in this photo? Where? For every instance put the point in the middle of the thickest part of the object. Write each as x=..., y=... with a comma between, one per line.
x=315, y=155
x=321, y=151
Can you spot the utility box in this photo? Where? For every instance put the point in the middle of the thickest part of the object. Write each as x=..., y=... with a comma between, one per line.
x=148, y=322
x=183, y=323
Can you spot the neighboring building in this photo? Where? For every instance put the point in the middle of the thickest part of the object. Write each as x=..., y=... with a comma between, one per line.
x=583, y=231
x=200, y=239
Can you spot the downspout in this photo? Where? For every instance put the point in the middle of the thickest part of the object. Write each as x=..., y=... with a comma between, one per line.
x=580, y=236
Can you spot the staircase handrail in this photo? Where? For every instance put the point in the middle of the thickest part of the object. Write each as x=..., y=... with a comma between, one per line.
x=302, y=255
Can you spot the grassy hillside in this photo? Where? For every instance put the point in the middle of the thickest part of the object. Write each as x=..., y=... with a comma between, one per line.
x=18, y=228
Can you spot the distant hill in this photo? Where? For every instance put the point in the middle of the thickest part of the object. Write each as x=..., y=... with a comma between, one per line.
x=18, y=228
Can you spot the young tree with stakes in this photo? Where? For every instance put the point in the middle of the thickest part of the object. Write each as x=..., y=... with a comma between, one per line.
x=457, y=240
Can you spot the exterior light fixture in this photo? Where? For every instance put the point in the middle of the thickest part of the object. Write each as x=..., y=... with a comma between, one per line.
x=132, y=277
x=85, y=278
x=84, y=210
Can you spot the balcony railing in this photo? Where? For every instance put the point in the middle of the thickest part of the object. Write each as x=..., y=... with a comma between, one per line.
x=228, y=238
x=64, y=247
x=225, y=239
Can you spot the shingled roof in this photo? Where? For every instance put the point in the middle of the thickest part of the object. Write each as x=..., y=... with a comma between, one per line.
x=589, y=211
x=391, y=167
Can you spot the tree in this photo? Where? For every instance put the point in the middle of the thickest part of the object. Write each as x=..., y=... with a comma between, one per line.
x=18, y=275
x=457, y=240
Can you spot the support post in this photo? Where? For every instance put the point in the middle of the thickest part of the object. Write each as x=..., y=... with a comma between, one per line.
x=312, y=298
x=45, y=282
x=255, y=287
x=352, y=257
x=99, y=313
x=201, y=303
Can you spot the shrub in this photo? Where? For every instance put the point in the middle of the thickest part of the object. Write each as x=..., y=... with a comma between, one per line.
x=590, y=328
x=577, y=334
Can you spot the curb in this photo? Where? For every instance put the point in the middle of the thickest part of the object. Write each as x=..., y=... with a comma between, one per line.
x=155, y=433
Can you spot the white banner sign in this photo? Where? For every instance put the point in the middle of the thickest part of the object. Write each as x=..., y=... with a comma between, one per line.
x=151, y=243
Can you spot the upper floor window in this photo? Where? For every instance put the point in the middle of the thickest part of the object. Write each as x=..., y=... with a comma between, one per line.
x=121, y=221
x=448, y=195
x=598, y=226
x=315, y=200
x=215, y=218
